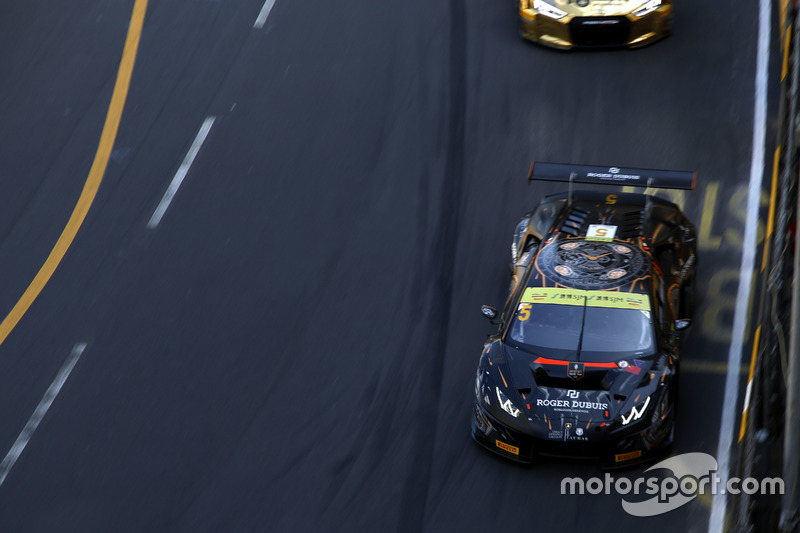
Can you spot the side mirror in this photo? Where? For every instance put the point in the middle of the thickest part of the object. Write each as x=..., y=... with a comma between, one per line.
x=489, y=312
x=682, y=323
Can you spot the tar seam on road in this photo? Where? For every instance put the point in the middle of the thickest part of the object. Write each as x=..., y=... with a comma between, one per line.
x=41, y=410
x=92, y=184
x=716, y=521
x=262, y=16
x=181, y=173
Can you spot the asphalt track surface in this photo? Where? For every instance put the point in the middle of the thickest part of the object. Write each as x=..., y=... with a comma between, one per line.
x=293, y=348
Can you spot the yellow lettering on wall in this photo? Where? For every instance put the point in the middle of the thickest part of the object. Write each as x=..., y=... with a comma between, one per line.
x=738, y=210
x=676, y=196
x=706, y=241
x=721, y=298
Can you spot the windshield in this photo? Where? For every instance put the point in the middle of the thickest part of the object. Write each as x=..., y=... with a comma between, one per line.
x=602, y=328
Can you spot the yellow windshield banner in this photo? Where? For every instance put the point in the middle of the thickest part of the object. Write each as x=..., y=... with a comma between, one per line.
x=564, y=296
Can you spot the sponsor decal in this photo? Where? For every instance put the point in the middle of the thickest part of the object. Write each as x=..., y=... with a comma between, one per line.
x=617, y=300
x=601, y=233
x=633, y=369
x=553, y=295
x=601, y=23
x=578, y=433
x=638, y=362
x=572, y=394
x=507, y=447
x=574, y=404
x=636, y=414
x=607, y=176
x=555, y=435
x=575, y=371
x=620, y=457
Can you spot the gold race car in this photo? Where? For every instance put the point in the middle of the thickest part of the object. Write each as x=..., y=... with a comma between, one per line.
x=591, y=23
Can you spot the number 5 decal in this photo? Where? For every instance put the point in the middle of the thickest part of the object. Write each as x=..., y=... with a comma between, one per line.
x=524, y=312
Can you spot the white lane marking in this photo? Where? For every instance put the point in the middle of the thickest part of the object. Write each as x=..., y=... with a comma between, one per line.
x=41, y=410
x=262, y=17
x=181, y=173
x=716, y=521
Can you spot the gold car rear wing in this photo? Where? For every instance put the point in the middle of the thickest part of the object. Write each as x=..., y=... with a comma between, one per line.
x=620, y=176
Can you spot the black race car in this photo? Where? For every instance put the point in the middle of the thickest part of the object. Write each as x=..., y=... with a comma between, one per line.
x=585, y=361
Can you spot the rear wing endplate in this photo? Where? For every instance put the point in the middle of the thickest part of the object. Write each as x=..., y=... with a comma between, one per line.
x=620, y=176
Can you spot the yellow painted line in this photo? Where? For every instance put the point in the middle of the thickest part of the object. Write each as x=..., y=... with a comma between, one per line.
x=772, y=199
x=743, y=425
x=708, y=367
x=784, y=4
x=787, y=39
x=753, y=357
x=755, y=353
x=92, y=184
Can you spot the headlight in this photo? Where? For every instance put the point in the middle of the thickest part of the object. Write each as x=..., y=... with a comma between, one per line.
x=636, y=414
x=650, y=6
x=506, y=404
x=552, y=11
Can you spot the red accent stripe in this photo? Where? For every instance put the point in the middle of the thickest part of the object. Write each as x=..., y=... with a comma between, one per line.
x=545, y=361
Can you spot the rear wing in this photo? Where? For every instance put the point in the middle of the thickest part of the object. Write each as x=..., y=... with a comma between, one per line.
x=620, y=176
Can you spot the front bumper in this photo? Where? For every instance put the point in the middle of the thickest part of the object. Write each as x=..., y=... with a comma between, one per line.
x=612, y=451
x=571, y=31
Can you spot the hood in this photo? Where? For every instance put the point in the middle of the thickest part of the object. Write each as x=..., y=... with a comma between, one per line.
x=587, y=392
x=597, y=8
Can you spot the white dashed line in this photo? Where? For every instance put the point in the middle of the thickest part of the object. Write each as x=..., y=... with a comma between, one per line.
x=41, y=410
x=262, y=17
x=181, y=173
